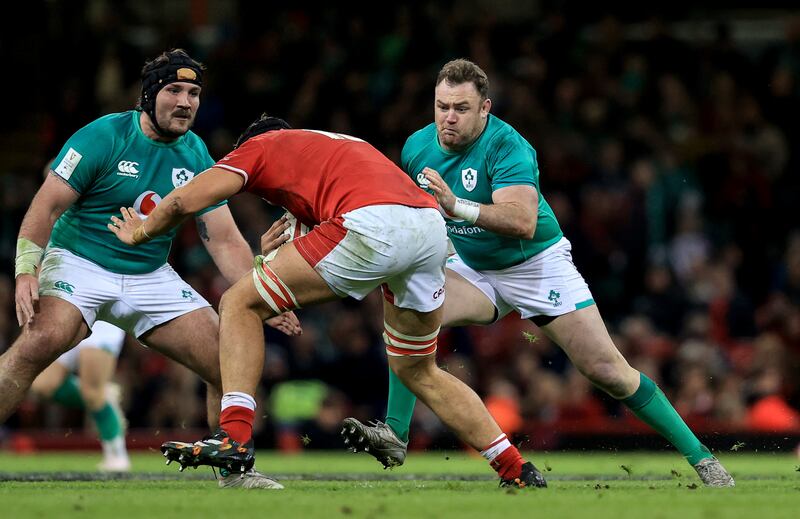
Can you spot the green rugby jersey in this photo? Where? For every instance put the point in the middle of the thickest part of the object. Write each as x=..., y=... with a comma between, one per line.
x=110, y=163
x=499, y=158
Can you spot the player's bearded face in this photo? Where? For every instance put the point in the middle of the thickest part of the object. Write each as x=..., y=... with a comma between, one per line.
x=460, y=114
x=176, y=107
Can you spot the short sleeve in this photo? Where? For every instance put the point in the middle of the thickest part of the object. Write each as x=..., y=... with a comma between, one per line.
x=514, y=164
x=206, y=161
x=83, y=157
x=246, y=160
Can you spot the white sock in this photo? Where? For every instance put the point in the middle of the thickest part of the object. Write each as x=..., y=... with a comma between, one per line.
x=235, y=398
x=115, y=448
x=496, y=448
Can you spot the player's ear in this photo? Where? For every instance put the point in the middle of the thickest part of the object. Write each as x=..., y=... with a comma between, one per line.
x=485, y=107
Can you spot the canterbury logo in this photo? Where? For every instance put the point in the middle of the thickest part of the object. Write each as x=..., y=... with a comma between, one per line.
x=64, y=287
x=129, y=167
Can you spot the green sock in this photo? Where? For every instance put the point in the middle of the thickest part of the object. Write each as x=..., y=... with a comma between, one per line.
x=650, y=404
x=108, y=423
x=400, y=407
x=69, y=393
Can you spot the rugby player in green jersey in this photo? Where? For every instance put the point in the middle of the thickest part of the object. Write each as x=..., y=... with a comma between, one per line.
x=81, y=379
x=71, y=270
x=511, y=256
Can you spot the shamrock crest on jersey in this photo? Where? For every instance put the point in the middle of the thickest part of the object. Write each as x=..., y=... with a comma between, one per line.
x=181, y=176
x=111, y=163
x=499, y=158
x=469, y=178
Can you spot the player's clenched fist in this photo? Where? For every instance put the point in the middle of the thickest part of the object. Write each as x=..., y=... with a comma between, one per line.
x=440, y=189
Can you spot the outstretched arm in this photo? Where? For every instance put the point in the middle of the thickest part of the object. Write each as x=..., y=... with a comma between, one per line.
x=210, y=187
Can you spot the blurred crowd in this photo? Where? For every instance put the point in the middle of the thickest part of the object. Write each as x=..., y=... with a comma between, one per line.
x=668, y=161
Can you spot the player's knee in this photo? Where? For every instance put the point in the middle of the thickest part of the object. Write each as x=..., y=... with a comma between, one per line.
x=412, y=370
x=37, y=349
x=407, y=372
x=47, y=340
x=234, y=301
x=93, y=394
x=611, y=377
x=229, y=302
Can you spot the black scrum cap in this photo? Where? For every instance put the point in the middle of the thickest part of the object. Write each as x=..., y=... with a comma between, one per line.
x=170, y=67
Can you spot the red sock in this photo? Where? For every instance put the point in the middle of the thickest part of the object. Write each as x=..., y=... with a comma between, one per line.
x=237, y=422
x=508, y=463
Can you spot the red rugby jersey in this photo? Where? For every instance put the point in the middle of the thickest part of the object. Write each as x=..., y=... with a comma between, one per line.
x=320, y=175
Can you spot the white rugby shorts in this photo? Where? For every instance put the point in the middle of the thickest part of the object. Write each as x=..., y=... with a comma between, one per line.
x=547, y=284
x=400, y=249
x=104, y=336
x=134, y=302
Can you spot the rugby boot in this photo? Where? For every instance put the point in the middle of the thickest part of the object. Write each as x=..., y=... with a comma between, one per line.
x=713, y=474
x=377, y=439
x=529, y=477
x=218, y=450
x=252, y=479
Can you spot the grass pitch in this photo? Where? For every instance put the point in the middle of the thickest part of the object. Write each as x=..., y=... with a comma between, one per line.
x=432, y=485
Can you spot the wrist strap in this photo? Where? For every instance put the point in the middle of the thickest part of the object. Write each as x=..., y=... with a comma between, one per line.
x=140, y=235
x=28, y=258
x=467, y=209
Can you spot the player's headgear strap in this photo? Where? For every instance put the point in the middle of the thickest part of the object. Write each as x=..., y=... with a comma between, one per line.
x=263, y=124
x=170, y=67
